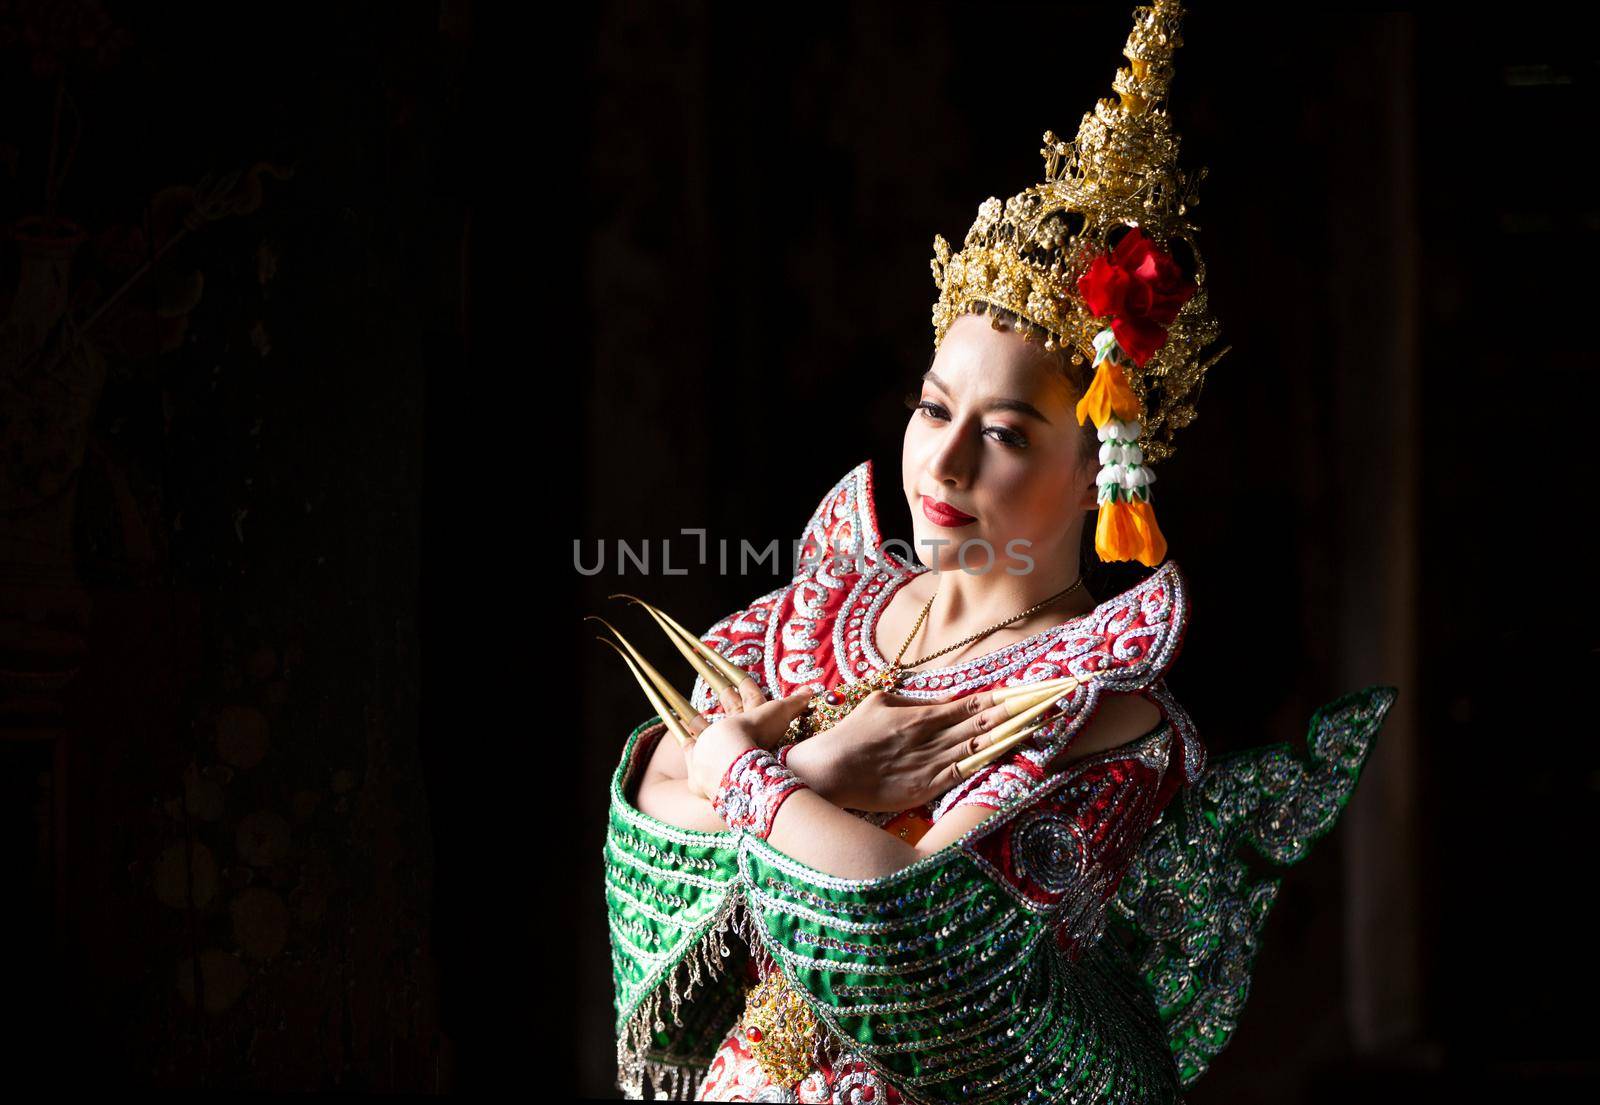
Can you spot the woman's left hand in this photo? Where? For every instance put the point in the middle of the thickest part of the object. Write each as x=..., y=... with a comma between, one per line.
x=708, y=756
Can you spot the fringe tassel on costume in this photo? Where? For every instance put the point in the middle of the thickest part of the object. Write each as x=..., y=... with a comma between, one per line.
x=704, y=962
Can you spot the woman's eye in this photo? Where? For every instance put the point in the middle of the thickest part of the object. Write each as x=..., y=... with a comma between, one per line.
x=1009, y=437
x=1001, y=434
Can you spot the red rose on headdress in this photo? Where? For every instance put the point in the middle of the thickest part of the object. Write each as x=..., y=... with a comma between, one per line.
x=1141, y=288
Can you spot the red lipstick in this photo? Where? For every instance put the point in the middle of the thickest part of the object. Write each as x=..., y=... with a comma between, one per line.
x=943, y=514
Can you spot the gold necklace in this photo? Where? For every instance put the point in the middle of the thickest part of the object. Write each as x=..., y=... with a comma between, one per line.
x=898, y=667
x=832, y=706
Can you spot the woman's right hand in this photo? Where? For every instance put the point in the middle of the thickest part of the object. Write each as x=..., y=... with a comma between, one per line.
x=894, y=753
x=667, y=772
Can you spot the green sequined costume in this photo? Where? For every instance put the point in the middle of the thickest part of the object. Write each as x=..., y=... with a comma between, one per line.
x=942, y=978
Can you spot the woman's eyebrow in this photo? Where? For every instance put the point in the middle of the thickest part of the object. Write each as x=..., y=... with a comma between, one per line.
x=1016, y=405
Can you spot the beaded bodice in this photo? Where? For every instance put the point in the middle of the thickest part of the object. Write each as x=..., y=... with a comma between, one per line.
x=817, y=632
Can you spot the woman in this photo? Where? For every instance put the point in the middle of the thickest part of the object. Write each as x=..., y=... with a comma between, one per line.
x=771, y=941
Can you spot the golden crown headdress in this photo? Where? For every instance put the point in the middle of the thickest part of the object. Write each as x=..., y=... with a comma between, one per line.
x=1093, y=260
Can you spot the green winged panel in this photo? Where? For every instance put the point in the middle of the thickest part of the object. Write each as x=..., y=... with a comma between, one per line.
x=1191, y=908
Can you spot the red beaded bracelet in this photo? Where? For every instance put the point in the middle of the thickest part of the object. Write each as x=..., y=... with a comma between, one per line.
x=752, y=789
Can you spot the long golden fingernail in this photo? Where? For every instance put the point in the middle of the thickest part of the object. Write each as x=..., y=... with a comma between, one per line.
x=1007, y=736
x=678, y=703
x=1021, y=720
x=1004, y=694
x=724, y=664
x=727, y=667
x=660, y=707
x=987, y=755
x=713, y=676
x=1026, y=700
x=731, y=671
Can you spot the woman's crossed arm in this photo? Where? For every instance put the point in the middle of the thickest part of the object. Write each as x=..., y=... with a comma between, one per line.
x=891, y=756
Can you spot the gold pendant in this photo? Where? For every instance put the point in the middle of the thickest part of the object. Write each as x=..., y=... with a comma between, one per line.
x=779, y=1027
x=831, y=707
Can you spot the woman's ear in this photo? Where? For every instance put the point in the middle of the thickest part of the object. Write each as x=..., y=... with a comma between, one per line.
x=1089, y=487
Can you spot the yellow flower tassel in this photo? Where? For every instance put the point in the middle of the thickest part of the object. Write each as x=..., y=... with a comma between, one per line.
x=1116, y=534
x=1109, y=396
x=1127, y=530
x=1152, y=545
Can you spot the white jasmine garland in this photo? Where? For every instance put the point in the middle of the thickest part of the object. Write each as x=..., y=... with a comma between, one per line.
x=1123, y=475
x=1117, y=430
x=1105, y=345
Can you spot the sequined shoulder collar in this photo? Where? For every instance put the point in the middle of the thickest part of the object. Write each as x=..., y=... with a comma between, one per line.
x=1130, y=637
x=842, y=536
x=1139, y=630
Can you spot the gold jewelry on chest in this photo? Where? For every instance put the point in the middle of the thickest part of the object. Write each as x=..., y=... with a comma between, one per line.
x=832, y=706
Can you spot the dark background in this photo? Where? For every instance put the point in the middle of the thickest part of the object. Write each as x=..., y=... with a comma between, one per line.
x=293, y=682
x=233, y=275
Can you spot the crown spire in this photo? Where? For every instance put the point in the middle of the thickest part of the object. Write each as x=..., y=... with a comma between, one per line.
x=1126, y=148
x=1114, y=207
